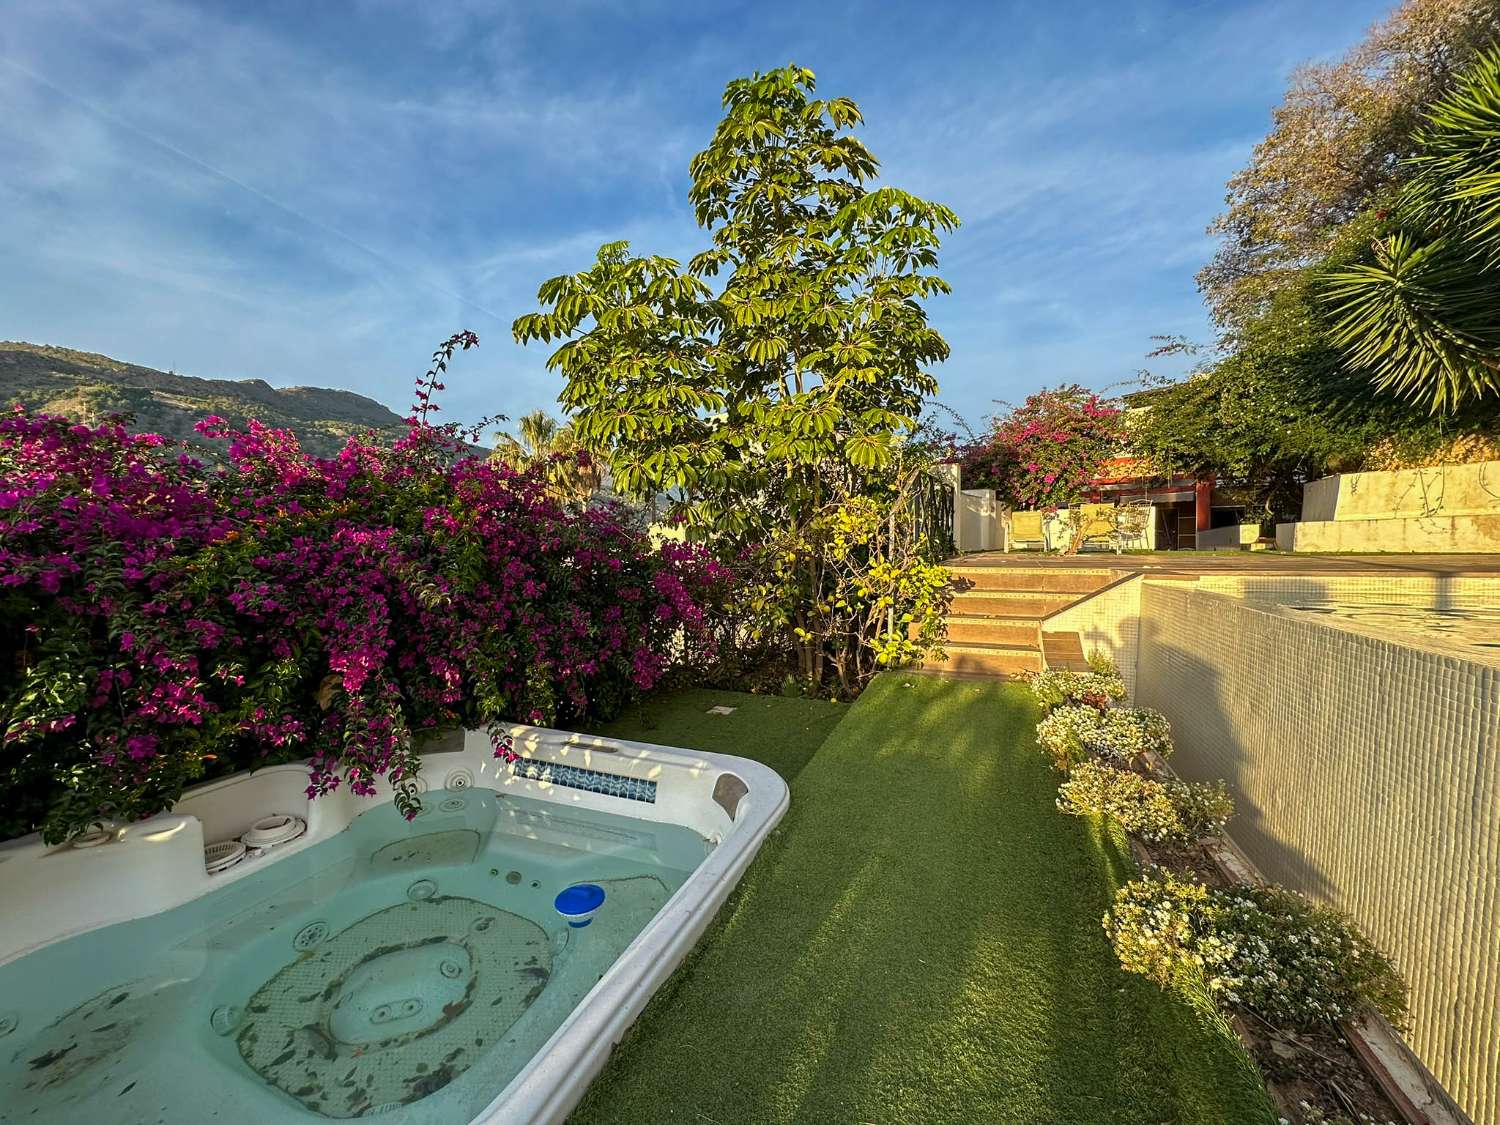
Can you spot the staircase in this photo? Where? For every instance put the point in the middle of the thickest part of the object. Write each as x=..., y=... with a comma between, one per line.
x=995, y=618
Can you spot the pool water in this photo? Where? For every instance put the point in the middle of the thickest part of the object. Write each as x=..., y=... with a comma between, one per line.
x=403, y=970
x=1462, y=626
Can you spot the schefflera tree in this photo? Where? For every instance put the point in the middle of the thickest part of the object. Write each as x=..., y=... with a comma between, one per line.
x=772, y=383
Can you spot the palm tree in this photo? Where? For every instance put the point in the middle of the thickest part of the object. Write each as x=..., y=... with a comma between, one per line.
x=541, y=439
x=1422, y=314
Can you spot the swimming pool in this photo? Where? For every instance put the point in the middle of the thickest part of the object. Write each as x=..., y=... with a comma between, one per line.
x=1458, y=614
x=1464, y=627
x=420, y=972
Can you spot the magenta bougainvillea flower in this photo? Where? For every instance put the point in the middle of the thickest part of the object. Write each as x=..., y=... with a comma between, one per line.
x=164, y=619
x=1046, y=452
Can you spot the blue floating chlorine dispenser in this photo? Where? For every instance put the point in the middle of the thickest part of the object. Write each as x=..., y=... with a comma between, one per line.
x=579, y=903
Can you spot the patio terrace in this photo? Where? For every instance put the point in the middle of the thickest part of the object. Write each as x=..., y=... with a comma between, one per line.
x=1163, y=564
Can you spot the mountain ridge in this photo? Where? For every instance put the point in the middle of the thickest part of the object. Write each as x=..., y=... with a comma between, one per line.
x=89, y=386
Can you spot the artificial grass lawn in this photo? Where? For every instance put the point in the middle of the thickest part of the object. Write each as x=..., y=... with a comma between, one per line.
x=919, y=941
x=782, y=733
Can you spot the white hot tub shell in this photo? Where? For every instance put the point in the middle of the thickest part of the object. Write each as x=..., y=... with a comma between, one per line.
x=57, y=892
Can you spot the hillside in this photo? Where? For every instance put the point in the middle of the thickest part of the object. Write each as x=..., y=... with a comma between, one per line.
x=86, y=386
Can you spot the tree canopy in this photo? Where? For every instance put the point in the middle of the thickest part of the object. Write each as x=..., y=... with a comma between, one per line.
x=1336, y=149
x=810, y=359
x=1284, y=406
x=772, y=387
x=1355, y=277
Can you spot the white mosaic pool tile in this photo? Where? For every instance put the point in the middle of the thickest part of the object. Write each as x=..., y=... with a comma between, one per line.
x=1415, y=590
x=1107, y=622
x=1366, y=771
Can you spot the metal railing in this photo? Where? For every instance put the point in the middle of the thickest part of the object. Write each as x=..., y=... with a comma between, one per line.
x=929, y=515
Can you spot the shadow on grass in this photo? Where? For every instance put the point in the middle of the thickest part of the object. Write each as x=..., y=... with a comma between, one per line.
x=921, y=942
x=784, y=733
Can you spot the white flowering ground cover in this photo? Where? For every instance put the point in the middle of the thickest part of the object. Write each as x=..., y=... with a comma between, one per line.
x=1296, y=968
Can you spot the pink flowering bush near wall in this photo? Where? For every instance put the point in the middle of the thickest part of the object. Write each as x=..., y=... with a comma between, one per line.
x=1046, y=452
x=164, y=621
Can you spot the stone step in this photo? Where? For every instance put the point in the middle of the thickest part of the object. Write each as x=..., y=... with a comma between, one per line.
x=1065, y=651
x=970, y=562
x=1007, y=603
x=1012, y=579
x=978, y=629
x=993, y=660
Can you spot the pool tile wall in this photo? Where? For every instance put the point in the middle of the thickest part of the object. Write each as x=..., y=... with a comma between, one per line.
x=1459, y=615
x=1106, y=622
x=1438, y=591
x=1366, y=772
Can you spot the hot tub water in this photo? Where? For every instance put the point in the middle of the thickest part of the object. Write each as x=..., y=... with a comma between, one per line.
x=405, y=971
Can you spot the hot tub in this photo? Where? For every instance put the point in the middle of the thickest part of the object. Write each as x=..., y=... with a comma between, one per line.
x=449, y=970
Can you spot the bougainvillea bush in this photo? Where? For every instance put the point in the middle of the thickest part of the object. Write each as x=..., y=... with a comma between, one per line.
x=1045, y=453
x=164, y=622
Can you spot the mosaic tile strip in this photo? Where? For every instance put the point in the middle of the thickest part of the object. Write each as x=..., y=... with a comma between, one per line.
x=590, y=781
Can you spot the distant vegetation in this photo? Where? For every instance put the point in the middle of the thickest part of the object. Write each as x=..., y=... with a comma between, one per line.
x=1358, y=277
x=88, y=388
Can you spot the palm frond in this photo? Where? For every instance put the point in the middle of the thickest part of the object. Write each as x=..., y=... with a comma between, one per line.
x=1456, y=189
x=1421, y=319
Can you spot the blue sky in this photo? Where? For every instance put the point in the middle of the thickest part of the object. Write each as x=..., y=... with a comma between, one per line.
x=318, y=193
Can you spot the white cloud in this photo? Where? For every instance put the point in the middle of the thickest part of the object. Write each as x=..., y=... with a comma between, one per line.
x=200, y=193
x=321, y=203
